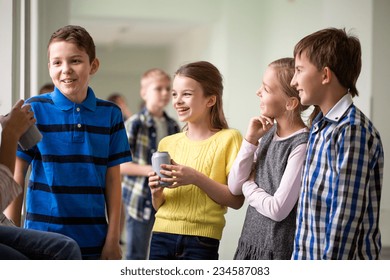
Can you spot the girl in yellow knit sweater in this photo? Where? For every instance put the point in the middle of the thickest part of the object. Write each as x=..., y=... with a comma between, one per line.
x=190, y=212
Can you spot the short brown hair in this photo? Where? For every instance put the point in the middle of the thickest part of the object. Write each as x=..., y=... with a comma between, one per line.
x=336, y=49
x=76, y=35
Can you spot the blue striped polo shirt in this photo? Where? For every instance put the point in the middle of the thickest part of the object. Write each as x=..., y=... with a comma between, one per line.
x=66, y=188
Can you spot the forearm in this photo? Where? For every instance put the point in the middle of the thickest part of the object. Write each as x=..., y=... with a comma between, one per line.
x=158, y=200
x=9, y=144
x=14, y=210
x=134, y=169
x=218, y=192
x=113, y=199
x=241, y=168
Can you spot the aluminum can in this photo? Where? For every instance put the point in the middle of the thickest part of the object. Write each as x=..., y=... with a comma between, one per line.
x=30, y=138
x=159, y=158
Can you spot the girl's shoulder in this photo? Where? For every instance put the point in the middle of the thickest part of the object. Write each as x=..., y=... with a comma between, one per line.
x=232, y=132
x=230, y=135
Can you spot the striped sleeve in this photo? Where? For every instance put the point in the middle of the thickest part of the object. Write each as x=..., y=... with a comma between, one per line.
x=9, y=189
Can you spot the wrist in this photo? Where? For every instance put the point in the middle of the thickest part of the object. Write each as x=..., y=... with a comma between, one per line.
x=252, y=140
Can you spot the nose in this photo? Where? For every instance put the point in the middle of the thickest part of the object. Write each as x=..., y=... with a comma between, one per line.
x=176, y=99
x=293, y=82
x=66, y=68
x=258, y=92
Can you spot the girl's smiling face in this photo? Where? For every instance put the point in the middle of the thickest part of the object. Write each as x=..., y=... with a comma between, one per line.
x=189, y=100
x=272, y=98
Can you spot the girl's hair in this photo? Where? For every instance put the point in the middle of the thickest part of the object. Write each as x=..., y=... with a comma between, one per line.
x=210, y=79
x=76, y=35
x=284, y=73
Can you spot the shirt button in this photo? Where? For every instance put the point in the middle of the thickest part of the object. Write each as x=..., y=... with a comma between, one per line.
x=78, y=109
x=79, y=125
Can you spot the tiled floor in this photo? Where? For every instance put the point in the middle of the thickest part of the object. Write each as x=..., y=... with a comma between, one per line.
x=385, y=253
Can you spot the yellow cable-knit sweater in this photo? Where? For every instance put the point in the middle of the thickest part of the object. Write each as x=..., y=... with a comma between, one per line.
x=188, y=210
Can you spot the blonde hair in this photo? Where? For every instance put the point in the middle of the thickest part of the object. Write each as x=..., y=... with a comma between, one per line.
x=152, y=74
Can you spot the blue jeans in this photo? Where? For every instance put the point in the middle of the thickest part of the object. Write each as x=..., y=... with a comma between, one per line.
x=138, y=237
x=19, y=243
x=167, y=246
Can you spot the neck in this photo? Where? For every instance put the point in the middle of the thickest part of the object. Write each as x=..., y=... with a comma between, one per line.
x=331, y=97
x=199, y=132
x=287, y=126
x=155, y=112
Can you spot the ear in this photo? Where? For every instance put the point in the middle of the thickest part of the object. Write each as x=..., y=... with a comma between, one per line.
x=212, y=101
x=327, y=75
x=94, y=66
x=292, y=103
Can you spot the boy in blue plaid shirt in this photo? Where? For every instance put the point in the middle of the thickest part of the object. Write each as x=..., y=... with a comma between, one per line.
x=338, y=210
x=144, y=131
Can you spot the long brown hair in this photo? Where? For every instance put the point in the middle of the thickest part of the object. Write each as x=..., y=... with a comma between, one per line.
x=210, y=79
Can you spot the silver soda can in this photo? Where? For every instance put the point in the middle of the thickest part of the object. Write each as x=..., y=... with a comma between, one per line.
x=159, y=158
x=30, y=138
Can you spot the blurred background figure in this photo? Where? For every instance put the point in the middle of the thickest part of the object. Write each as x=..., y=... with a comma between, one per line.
x=46, y=88
x=120, y=100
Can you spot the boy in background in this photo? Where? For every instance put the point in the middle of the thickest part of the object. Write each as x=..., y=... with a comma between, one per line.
x=338, y=210
x=144, y=131
x=74, y=187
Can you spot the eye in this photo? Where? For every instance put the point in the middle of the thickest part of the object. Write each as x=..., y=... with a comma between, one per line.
x=174, y=94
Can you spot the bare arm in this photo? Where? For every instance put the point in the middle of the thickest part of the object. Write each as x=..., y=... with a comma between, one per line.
x=111, y=249
x=158, y=197
x=134, y=169
x=14, y=125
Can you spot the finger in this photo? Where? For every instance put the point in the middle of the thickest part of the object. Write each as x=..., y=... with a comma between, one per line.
x=269, y=120
x=19, y=104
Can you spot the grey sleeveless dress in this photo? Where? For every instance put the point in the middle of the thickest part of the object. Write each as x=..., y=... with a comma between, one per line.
x=262, y=238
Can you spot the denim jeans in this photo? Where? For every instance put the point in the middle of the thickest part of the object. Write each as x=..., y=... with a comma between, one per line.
x=167, y=246
x=19, y=243
x=138, y=237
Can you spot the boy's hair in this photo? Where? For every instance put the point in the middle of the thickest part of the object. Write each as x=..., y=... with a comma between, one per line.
x=76, y=35
x=48, y=87
x=114, y=97
x=153, y=74
x=336, y=49
x=210, y=79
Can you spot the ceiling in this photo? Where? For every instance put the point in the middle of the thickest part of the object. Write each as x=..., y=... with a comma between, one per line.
x=139, y=22
x=132, y=32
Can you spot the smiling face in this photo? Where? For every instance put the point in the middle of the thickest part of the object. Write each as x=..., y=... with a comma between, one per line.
x=308, y=81
x=190, y=102
x=272, y=98
x=70, y=69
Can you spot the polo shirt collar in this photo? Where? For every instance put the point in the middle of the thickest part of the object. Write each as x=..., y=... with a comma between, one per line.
x=62, y=102
x=338, y=110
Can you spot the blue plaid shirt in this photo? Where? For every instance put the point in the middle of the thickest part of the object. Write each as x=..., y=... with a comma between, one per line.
x=142, y=136
x=338, y=210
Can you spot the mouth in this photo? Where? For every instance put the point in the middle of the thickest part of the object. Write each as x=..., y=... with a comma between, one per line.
x=68, y=81
x=181, y=110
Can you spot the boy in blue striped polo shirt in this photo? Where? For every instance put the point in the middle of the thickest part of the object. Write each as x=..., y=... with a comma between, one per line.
x=338, y=210
x=75, y=183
